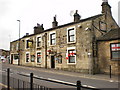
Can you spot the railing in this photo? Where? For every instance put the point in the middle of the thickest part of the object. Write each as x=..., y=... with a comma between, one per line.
x=21, y=84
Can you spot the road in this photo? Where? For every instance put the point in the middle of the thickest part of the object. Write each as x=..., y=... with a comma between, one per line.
x=51, y=74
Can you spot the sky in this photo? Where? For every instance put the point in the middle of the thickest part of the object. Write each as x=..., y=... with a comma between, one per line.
x=31, y=12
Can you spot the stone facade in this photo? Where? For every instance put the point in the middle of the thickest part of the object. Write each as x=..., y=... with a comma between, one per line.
x=71, y=46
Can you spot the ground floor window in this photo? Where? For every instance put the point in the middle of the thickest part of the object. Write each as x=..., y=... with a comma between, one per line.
x=32, y=58
x=39, y=60
x=115, y=51
x=71, y=55
x=27, y=57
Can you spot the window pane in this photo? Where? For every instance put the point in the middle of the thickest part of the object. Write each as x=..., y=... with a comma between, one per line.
x=116, y=54
x=16, y=56
x=39, y=57
x=72, y=38
x=72, y=59
x=71, y=32
x=32, y=58
x=27, y=57
x=53, y=36
x=53, y=42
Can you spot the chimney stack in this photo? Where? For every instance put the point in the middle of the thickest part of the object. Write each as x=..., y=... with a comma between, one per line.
x=106, y=8
x=76, y=16
x=54, y=23
x=38, y=29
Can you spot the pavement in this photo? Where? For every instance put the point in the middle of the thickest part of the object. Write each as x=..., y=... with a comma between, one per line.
x=114, y=78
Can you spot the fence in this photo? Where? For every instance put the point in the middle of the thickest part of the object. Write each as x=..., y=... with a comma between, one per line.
x=18, y=84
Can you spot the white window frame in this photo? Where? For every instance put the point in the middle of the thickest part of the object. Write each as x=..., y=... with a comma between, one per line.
x=70, y=48
x=37, y=41
x=50, y=38
x=36, y=57
x=29, y=57
x=68, y=34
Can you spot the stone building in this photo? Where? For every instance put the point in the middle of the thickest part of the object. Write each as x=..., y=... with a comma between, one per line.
x=72, y=46
x=109, y=52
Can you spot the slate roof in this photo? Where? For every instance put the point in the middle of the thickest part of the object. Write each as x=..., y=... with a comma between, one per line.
x=113, y=34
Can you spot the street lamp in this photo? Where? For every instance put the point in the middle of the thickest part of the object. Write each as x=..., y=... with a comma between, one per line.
x=19, y=44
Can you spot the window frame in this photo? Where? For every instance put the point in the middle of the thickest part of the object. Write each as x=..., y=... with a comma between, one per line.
x=50, y=38
x=68, y=34
x=68, y=49
x=39, y=41
x=111, y=52
x=37, y=57
x=26, y=57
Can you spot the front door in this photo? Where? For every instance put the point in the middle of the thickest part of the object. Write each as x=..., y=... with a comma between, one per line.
x=52, y=62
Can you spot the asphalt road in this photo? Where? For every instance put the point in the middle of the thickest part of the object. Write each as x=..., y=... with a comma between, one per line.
x=58, y=77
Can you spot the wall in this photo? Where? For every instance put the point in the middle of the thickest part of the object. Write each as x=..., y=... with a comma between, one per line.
x=104, y=58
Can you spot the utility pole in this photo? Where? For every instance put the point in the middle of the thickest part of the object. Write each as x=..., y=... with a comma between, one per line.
x=19, y=44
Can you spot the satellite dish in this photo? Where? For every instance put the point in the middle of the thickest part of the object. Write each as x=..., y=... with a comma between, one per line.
x=72, y=12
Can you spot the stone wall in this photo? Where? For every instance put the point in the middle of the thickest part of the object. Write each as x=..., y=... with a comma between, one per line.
x=104, y=58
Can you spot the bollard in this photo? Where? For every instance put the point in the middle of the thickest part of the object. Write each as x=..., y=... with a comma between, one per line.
x=110, y=72
x=31, y=81
x=78, y=85
x=8, y=79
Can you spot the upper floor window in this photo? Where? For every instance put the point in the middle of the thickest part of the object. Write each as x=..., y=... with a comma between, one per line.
x=29, y=43
x=115, y=51
x=52, y=38
x=71, y=35
x=38, y=41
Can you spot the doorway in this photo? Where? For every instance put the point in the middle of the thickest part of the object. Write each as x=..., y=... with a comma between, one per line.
x=52, y=62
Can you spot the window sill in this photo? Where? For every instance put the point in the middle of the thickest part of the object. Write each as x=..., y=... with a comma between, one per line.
x=71, y=63
x=71, y=42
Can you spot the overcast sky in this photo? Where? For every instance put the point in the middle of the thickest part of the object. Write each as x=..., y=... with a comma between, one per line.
x=31, y=12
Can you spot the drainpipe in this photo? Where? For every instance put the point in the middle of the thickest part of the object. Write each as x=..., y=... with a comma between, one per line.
x=46, y=50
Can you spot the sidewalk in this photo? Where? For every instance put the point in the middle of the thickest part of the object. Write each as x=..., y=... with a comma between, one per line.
x=75, y=74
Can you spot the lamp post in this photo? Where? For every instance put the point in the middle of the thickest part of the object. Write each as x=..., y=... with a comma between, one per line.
x=19, y=44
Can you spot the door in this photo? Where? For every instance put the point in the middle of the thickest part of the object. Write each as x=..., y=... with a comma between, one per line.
x=52, y=62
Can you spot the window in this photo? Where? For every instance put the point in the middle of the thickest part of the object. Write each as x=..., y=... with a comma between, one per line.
x=59, y=59
x=29, y=43
x=32, y=58
x=52, y=39
x=27, y=57
x=71, y=55
x=16, y=56
x=38, y=41
x=71, y=35
x=39, y=57
x=115, y=51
